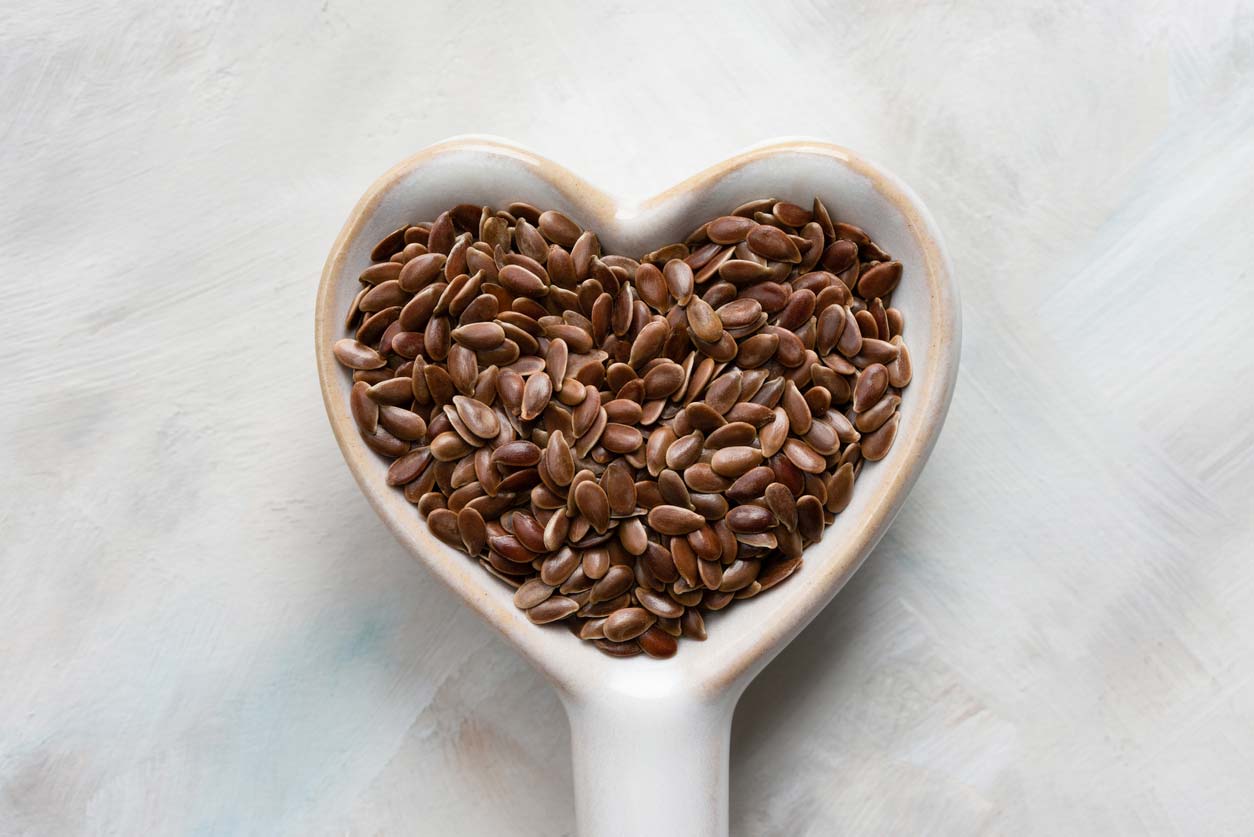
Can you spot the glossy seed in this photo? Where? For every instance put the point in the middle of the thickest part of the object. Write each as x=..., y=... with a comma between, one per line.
x=409, y=467
x=872, y=384
x=421, y=271
x=520, y=454
x=357, y=355
x=880, y=280
x=703, y=320
x=732, y=434
x=673, y=520
x=558, y=228
x=365, y=410
x=479, y=335
x=593, y=504
x=536, y=395
x=875, y=445
x=772, y=243
x=840, y=489
x=803, y=456
x=620, y=438
x=532, y=592
x=873, y=419
x=616, y=581
x=558, y=567
x=703, y=478
x=658, y=604
x=732, y=462
x=757, y=350
x=797, y=410
x=473, y=531
x=552, y=609
x=750, y=518
x=679, y=281
x=729, y=229
x=628, y=623
x=478, y=417
x=899, y=369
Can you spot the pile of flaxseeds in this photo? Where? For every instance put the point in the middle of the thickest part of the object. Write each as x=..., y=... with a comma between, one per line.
x=628, y=443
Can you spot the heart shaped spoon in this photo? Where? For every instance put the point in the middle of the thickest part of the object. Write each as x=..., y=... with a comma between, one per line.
x=650, y=738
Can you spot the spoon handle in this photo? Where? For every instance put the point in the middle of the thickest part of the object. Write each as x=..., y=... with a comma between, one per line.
x=651, y=767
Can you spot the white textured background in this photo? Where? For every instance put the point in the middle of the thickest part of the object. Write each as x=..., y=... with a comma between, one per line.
x=205, y=631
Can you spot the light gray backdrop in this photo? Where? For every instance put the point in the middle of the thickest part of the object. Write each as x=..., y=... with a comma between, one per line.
x=205, y=631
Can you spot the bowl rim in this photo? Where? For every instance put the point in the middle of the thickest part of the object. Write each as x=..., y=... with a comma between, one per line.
x=599, y=210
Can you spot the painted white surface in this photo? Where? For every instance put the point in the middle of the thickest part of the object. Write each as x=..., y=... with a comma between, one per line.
x=203, y=628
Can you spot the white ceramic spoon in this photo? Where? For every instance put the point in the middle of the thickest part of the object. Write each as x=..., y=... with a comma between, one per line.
x=650, y=738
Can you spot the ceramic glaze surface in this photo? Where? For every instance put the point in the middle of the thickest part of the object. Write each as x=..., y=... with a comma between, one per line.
x=205, y=629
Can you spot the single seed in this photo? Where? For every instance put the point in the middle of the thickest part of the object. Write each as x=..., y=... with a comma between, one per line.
x=593, y=504
x=739, y=313
x=739, y=575
x=899, y=370
x=684, y=452
x=390, y=243
x=558, y=228
x=750, y=519
x=734, y=461
x=479, y=335
x=473, y=530
x=729, y=229
x=633, y=536
x=796, y=408
x=751, y=485
x=880, y=280
x=773, y=243
x=874, y=418
x=781, y=502
x=732, y=434
x=595, y=564
x=679, y=281
x=804, y=457
x=810, y=518
x=673, y=520
x=365, y=410
x=774, y=434
x=872, y=384
x=409, y=467
x=532, y=592
x=840, y=489
x=536, y=395
x=478, y=417
x=703, y=321
x=357, y=355
x=520, y=454
x=552, y=609
x=620, y=438
x=443, y=524
x=875, y=445
x=692, y=625
x=703, y=478
x=421, y=271
x=556, y=530
x=617, y=580
x=757, y=350
x=628, y=623
x=658, y=604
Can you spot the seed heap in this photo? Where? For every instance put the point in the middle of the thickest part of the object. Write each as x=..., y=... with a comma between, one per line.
x=628, y=444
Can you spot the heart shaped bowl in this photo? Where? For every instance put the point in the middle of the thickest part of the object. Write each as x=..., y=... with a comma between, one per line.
x=650, y=738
